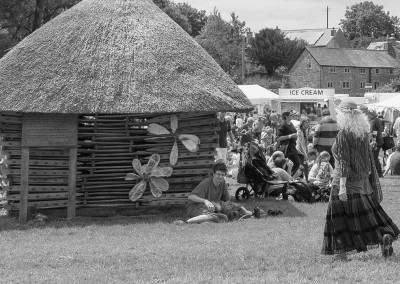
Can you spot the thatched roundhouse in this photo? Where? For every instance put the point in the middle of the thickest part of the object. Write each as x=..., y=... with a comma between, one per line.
x=109, y=67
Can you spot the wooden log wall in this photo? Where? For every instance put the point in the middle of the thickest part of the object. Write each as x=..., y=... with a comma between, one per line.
x=107, y=144
x=48, y=169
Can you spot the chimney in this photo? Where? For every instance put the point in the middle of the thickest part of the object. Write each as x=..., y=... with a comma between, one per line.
x=333, y=31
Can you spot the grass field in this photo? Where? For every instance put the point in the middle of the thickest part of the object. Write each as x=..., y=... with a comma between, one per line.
x=152, y=249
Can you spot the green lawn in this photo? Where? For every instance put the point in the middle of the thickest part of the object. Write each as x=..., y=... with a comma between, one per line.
x=281, y=249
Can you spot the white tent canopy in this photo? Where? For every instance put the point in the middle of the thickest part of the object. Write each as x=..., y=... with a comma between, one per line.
x=393, y=102
x=258, y=95
x=390, y=106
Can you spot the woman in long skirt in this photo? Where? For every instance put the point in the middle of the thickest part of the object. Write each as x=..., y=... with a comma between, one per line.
x=355, y=220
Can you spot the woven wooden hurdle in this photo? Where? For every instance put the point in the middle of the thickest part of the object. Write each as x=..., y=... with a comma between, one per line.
x=107, y=144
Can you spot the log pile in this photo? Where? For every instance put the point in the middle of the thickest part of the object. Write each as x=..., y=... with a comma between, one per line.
x=107, y=144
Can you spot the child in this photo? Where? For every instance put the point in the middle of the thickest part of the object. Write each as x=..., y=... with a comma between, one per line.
x=321, y=172
x=268, y=138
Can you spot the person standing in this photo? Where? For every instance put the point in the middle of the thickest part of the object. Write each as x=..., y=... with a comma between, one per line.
x=274, y=121
x=325, y=134
x=257, y=128
x=246, y=132
x=239, y=121
x=376, y=130
x=355, y=220
x=287, y=136
x=301, y=143
x=225, y=130
x=396, y=128
x=393, y=162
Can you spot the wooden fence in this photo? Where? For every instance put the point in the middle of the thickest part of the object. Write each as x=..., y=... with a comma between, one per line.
x=107, y=144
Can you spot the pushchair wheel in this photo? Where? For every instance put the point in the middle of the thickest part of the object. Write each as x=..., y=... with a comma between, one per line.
x=242, y=193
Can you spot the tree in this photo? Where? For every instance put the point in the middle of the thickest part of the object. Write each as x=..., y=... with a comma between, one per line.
x=197, y=18
x=19, y=18
x=393, y=86
x=188, y=18
x=223, y=41
x=272, y=49
x=368, y=20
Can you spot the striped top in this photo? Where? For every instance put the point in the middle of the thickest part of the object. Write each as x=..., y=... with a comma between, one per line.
x=325, y=134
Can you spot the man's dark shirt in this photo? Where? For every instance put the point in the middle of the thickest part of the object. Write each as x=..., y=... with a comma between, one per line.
x=225, y=127
x=284, y=130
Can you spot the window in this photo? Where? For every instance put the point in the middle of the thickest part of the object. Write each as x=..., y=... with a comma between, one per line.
x=346, y=70
x=391, y=71
x=345, y=85
x=363, y=71
x=377, y=70
x=332, y=69
x=329, y=84
x=362, y=85
x=308, y=64
x=376, y=85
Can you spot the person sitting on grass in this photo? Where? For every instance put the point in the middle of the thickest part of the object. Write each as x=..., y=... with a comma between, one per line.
x=279, y=166
x=321, y=172
x=207, y=194
x=224, y=211
x=393, y=162
x=273, y=159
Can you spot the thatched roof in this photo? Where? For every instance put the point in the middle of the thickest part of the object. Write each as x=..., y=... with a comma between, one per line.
x=114, y=56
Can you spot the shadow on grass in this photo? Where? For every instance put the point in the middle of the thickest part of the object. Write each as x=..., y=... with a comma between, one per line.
x=153, y=215
x=289, y=209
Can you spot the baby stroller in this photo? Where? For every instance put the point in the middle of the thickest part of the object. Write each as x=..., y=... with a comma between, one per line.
x=255, y=172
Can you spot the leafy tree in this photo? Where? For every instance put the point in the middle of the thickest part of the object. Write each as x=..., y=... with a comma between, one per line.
x=273, y=49
x=197, y=18
x=175, y=14
x=19, y=18
x=223, y=41
x=368, y=20
x=190, y=19
x=393, y=86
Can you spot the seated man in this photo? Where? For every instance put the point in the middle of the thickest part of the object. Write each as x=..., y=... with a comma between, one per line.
x=205, y=200
x=278, y=168
x=393, y=162
x=288, y=163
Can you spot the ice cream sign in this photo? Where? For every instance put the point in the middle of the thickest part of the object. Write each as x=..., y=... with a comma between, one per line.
x=306, y=93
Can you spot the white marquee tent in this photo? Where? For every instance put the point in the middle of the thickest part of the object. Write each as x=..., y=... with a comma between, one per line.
x=393, y=102
x=390, y=106
x=258, y=95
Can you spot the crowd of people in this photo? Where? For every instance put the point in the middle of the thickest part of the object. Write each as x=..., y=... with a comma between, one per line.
x=342, y=155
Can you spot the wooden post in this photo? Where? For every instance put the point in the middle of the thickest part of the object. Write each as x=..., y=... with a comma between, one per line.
x=72, y=183
x=23, y=203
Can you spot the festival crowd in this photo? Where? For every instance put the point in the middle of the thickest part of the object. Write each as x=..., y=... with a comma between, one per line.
x=345, y=155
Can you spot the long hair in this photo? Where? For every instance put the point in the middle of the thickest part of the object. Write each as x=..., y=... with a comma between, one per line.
x=353, y=121
x=304, y=119
x=323, y=154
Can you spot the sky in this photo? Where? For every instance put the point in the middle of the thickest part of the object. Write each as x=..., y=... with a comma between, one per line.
x=287, y=14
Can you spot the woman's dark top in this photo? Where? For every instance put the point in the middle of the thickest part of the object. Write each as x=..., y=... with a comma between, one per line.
x=284, y=130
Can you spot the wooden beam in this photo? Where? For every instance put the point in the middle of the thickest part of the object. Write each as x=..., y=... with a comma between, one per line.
x=23, y=210
x=72, y=183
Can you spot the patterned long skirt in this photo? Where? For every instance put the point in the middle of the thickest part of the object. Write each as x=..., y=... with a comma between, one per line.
x=356, y=224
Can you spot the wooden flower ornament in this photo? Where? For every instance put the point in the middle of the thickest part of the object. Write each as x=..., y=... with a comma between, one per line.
x=190, y=141
x=150, y=173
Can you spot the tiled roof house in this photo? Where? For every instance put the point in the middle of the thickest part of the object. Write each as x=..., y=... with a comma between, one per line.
x=348, y=71
x=320, y=37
